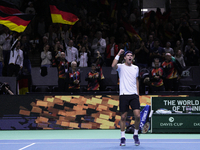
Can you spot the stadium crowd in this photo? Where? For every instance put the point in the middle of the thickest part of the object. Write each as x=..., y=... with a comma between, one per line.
x=161, y=44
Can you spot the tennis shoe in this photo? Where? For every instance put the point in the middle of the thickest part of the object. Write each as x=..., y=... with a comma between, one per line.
x=123, y=142
x=137, y=142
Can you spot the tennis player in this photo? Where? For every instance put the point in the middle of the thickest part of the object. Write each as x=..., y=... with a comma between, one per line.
x=129, y=92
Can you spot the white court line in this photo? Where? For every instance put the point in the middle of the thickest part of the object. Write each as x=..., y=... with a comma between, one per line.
x=93, y=142
x=26, y=146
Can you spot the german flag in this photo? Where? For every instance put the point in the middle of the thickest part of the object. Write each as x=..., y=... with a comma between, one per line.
x=130, y=30
x=23, y=86
x=61, y=14
x=15, y=22
x=8, y=8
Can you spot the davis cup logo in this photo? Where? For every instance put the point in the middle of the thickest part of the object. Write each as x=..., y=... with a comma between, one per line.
x=171, y=119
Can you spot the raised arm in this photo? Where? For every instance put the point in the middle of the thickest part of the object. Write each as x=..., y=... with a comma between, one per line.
x=115, y=61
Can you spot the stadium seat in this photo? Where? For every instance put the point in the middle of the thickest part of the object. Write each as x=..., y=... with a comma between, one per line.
x=42, y=89
x=184, y=88
x=197, y=88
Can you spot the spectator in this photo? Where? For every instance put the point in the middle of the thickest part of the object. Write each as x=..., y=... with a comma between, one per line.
x=99, y=63
x=99, y=44
x=168, y=49
x=16, y=61
x=179, y=46
x=93, y=78
x=46, y=57
x=180, y=59
x=1, y=60
x=30, y=9
x=142, y=55
x=58, y=47
x=5, y=41
x=25, y=47
x=63, y=68
x=191, y=57
x=156, y=77
x=127, y=43
x=150, y=42
x=41, y=27
x=172, y=73
x=83, y=57
x=189, y=44
x=66, y=34
x=51, y=35
x=185, y=29
x=74, y=78
x=71, y=52
x=111, y=51
x=43, y=43
x=157, y=52
x=87, y=45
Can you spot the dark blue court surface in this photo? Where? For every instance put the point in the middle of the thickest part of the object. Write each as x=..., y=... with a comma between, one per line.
x=99, y=144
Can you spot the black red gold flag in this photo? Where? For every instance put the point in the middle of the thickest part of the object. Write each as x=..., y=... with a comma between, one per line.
x=62, y=15
x=15, y=22
x=8, y=8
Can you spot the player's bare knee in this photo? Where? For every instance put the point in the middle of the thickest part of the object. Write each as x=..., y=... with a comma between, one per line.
x=137, y=117
x=123, y=118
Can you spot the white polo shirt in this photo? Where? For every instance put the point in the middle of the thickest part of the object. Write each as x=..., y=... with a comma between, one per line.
x=127, y=76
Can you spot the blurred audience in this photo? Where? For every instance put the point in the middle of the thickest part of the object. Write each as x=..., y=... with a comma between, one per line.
x=1, y=60
x=111, y=51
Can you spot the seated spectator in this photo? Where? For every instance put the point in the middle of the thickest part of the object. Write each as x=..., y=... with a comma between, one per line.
x=46, y=57
x=63, y=68
x=156, y=77
x=16, y=61
x=180, y=59
x=74, y=78
x=111, y=51
x=168, y=49
x=93, y=78
x=142, y=55
x=83, y=57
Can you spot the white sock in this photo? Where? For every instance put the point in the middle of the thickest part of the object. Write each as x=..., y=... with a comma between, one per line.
x=123, y=134
x=135, y=132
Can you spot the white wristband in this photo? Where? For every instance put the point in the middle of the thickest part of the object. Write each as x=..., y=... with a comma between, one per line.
x=117, y=57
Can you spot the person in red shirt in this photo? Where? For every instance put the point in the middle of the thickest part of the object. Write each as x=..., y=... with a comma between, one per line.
x=111, y=51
